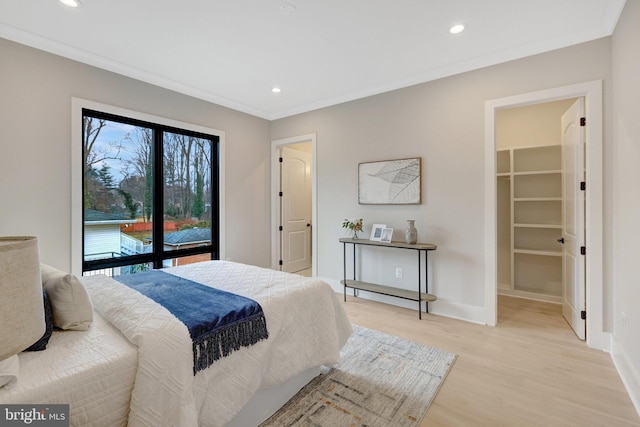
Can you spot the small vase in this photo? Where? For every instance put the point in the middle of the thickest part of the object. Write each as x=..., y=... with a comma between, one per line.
x=411, y=235
x=355, y=235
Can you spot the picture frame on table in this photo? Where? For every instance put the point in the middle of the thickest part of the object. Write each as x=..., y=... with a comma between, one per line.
x=387, y=234
x=376, y=232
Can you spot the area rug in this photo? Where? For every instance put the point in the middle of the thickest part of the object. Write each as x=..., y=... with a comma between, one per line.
x=382, y=380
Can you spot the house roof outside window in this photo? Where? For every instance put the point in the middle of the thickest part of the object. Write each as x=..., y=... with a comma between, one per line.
x=94, y=217
x=191, y=236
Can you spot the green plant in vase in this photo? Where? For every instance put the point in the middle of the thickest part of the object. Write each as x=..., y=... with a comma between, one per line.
x=355, y=225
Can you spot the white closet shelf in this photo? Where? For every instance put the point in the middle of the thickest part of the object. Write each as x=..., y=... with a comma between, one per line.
x=558, y=226
x=529, y=185
x=537, y=199
x=539, y=172
x=532, y=252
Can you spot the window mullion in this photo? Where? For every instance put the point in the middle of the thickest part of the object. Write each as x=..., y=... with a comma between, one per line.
x=158, y=197
x=215, y=199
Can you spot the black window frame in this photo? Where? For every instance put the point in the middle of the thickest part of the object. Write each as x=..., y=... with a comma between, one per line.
x=159, y=254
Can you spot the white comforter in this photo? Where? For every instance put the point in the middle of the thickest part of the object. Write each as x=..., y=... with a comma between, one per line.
x=92, y=370
x=307, y=327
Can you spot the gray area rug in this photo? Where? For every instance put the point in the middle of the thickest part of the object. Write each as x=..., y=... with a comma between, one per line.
x=381, y=380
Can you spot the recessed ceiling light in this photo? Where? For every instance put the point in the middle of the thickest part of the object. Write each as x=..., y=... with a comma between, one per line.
x=276, y=90
x=70, y=3
x=456, y=29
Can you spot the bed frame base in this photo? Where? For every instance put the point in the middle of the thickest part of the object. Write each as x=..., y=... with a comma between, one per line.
x=266, y=402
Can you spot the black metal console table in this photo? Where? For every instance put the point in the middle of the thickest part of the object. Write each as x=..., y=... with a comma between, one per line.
x=418, y=296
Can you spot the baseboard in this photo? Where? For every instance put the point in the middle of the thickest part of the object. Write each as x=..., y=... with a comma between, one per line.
x=629, y=375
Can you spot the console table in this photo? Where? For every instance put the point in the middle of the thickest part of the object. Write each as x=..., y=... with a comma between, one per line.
x=418, y=296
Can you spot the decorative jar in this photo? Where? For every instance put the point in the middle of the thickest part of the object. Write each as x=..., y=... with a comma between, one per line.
x=411, y=234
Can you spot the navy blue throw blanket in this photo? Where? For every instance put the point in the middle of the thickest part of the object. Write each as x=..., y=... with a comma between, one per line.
x=219, y=322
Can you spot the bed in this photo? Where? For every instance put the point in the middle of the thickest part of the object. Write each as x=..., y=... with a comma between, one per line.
x=141, y=361
x=91, y=370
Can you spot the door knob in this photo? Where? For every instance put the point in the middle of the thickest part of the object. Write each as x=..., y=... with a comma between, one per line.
x=561, y=240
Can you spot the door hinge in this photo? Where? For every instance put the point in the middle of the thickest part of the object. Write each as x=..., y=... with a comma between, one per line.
x=583, y=186
x=280, y=159
x=583, y=121
x=280, y=262
x=583, y=315
x=583, y=250
x=280, y=228
x=280, y=194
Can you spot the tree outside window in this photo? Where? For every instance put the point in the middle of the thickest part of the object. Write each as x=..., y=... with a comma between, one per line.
x=145, y=183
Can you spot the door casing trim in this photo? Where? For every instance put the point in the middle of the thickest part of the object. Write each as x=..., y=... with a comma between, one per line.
x=594, y=274
x=275, y=205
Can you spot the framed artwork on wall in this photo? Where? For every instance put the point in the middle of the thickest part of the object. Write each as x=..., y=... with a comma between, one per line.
x=390, y=182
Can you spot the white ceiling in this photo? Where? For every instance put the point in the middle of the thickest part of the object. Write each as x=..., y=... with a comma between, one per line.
x=232, y=52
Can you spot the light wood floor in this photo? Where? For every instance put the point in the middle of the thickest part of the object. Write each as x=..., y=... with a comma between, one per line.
x=530, y=370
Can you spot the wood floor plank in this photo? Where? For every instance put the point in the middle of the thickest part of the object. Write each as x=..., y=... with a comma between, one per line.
x=530, y=370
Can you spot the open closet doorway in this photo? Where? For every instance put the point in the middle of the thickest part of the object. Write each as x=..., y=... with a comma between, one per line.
x=540, y=205
x=591, y=93
x=293, y=205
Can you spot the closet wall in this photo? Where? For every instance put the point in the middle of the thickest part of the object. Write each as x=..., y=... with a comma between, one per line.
x=529, y=203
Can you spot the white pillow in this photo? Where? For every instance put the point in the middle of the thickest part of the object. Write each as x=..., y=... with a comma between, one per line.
x=9, y=369
x=70, y=302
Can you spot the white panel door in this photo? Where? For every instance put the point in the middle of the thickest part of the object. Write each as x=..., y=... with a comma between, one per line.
x=573, y=262
x=296, y=209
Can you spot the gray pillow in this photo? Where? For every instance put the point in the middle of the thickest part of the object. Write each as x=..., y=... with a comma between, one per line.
x=70, y=302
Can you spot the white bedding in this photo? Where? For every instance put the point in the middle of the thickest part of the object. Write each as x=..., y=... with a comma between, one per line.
x=93, y=369
x=307, y=327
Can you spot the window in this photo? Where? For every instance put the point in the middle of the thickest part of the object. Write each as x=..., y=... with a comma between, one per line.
x=150, y=194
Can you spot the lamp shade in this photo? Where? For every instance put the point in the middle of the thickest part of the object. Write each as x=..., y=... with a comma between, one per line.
x=22, y=320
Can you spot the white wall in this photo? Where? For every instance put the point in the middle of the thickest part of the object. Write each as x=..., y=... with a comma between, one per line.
x=36, y=89
x=625, y=187
x=530, y=126
x=442, y=122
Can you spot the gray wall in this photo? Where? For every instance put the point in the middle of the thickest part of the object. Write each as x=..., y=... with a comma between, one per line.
x=625, y=186
x=35, y=142
x=442, y=122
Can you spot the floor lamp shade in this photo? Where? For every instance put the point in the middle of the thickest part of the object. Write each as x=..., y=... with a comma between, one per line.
x=22, y=320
